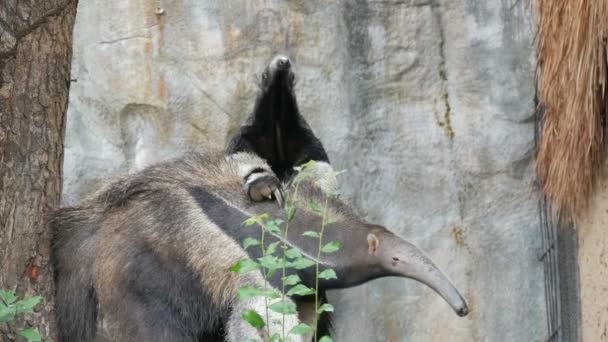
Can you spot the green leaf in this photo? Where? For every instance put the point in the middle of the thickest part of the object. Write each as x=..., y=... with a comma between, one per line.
x=308, y=164
x=325, y=339
x=284, y=307
x=270, y=262
x=272, y=248
x=273, y=226
x=276, y=337
x=248, y=291
x=248, y=242
x=293, y=253
x=291, y=212
x=8, y=297
x=245, y=265
x=250, y=221
x=314, y=206
x=27, y=304
x=301, y=263
x=272, y=294
x=253, y=318
x=328, y=274
x=252, y=340
x=30, y=334
x=7, y=314
x=311, y=234
x=330, y=220
x=300, y=290
x=291, y=280
x=331, y=247
x=301, y=329
x=256, y=219
x=270, y=273
x=326, y=307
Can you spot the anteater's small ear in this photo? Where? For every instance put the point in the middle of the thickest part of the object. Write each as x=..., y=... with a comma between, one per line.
x=372, y=243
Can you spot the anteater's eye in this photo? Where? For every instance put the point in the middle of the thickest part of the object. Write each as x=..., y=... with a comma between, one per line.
x=395, y=259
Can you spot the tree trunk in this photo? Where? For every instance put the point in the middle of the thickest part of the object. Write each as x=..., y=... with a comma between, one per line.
x=35, y=58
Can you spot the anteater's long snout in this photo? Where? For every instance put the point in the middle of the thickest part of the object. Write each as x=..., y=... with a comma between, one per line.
x=280, y=63
x=283, y=63
x=463, y=311
x=413, y=263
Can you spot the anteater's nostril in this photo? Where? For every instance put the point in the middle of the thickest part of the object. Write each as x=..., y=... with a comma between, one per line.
x=283, y=63
x=463, y=311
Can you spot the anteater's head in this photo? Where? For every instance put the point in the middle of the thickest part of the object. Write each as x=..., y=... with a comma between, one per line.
x=368, y=251
x=278, y=74
x=395, y=256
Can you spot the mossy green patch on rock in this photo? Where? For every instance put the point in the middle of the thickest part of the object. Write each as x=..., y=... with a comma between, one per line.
x=445, y=121
x=446, y=116
x=458, y=233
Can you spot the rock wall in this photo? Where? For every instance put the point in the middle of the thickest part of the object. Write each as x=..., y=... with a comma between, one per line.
x=427, y=105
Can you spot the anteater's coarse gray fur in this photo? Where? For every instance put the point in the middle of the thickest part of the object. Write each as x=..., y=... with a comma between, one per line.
x=140, y=257
x=147, y=258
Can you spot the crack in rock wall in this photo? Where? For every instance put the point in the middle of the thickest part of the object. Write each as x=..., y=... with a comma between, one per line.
x=427, y=105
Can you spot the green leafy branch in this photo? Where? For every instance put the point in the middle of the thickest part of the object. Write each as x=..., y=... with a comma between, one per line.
x=10, y=307
x=290, y=258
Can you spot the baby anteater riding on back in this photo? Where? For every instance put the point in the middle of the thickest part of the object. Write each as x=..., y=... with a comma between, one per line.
x=275, y=130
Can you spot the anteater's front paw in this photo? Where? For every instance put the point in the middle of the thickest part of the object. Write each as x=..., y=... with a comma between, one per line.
x=262, y=186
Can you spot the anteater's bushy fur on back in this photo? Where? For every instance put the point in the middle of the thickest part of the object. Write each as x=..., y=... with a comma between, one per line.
x=122, y=211
x=76, y=301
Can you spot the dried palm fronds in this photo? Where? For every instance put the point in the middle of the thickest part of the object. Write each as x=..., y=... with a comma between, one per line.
x=572, y=88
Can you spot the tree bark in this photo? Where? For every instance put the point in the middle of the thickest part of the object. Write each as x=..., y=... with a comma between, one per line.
x=35, y=59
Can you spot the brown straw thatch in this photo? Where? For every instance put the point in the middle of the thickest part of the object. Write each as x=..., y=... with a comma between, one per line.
x=573, y=72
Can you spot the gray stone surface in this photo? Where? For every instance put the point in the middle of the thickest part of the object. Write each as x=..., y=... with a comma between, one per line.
x=426, y=104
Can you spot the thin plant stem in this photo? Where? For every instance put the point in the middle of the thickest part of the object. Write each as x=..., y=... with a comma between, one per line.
x=283, y=273
x=265, y=280
x=317, y=265
x=284, y=261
